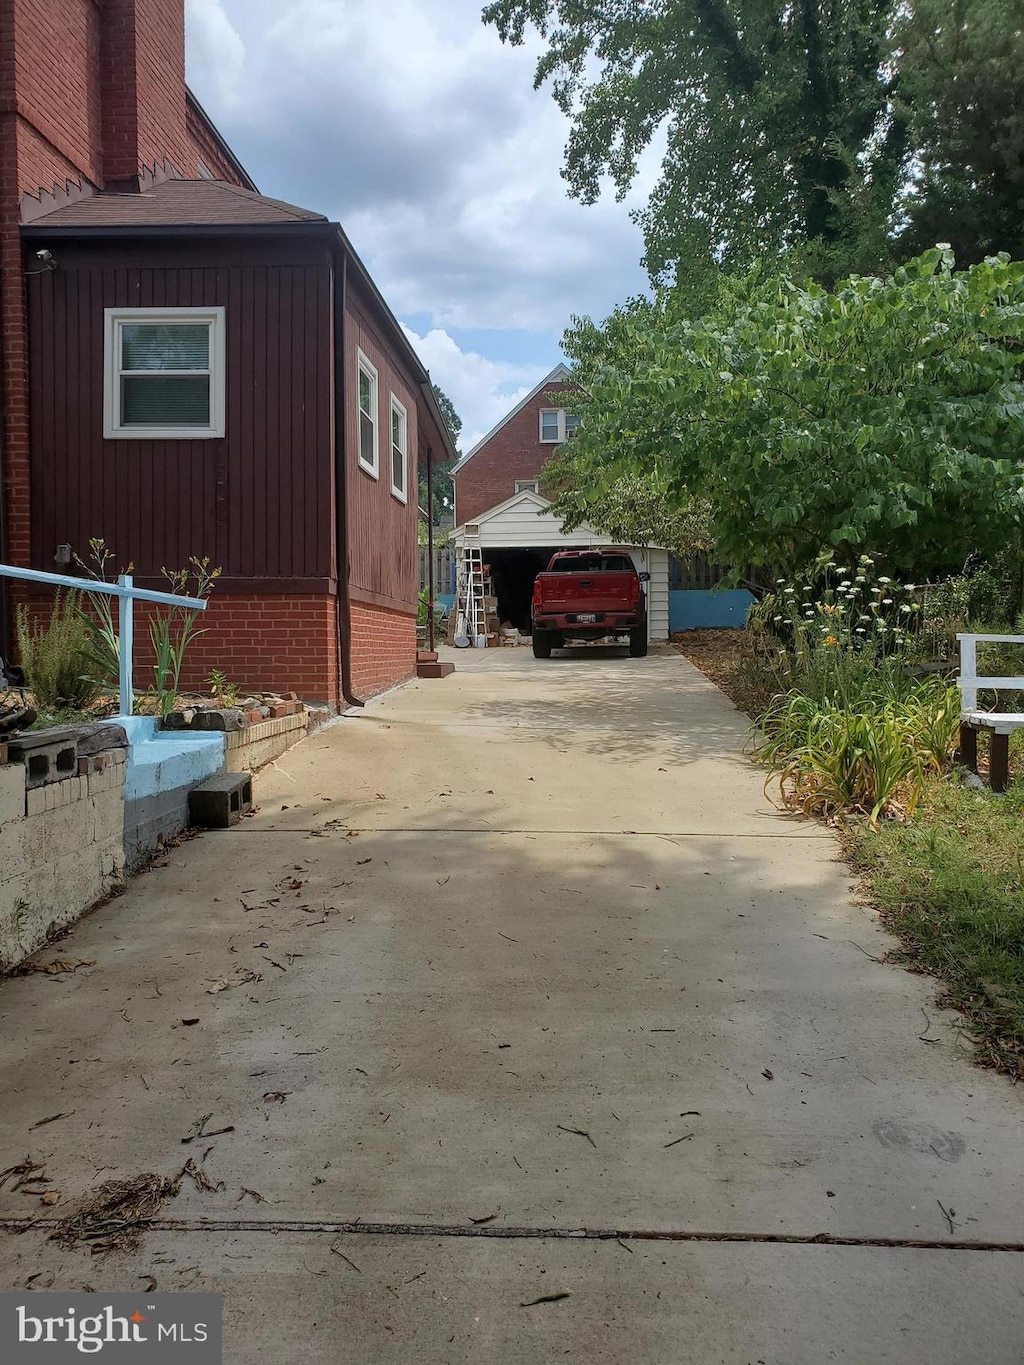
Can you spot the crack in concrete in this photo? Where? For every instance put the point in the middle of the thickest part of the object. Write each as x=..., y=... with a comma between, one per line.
x=458, y=1231
x=553, y=833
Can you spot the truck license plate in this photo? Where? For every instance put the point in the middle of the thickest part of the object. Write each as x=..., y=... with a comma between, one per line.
x=586, y=616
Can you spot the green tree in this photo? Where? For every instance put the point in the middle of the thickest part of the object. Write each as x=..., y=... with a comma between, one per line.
x=778, y=116
x=634, y=509
x=444, y=494
x=962, y=89
x=887, y=415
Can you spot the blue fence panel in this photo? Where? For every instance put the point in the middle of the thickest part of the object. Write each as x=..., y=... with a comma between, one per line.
x=692, y=610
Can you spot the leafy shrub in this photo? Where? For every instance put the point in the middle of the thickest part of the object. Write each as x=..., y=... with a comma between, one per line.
x=868, y=753
x=55, y=656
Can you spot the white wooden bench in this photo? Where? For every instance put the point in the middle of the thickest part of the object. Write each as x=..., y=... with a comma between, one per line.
x=1000, y=724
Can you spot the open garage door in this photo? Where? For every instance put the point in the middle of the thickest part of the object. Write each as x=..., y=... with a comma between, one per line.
x=512, y=573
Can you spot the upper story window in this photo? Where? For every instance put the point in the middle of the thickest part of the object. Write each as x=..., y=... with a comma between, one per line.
x=527, y=486
x=369, y=447
x=557, y=425
x=164, y=374
x=399, y=451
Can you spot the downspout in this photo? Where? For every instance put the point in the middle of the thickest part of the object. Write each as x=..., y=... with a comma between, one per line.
x=5, y=599
x=430, y=548
x=343, y=604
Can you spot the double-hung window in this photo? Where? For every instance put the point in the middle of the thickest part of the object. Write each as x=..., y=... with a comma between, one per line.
x=369, y=439
x=399, y=451
x=164, y=374
x=557, y=425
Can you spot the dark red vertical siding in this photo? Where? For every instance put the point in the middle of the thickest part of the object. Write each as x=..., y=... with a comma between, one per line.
x=383, y=555
x=258, y=502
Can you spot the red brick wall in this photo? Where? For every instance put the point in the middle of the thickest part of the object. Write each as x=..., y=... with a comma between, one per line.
x=383, y=648
x=143, y=75
x=204, y=147
x=515, y=452
x=55, y=51
x=275, y=642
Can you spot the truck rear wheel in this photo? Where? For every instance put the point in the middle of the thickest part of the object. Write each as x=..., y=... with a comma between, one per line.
x=638, y=643
x=542, y=641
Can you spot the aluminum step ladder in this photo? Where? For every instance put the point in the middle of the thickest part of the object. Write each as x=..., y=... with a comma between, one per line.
x=471, y=622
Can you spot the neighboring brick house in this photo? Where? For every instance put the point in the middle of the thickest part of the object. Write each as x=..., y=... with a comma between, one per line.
x=190, y=368
x=511, y=457
x=500, y=509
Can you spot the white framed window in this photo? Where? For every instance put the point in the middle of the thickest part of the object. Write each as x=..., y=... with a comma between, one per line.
x=527, y=486
x=369, y=422
x=550, y=426
x=557, y=425
x=399, y=451
x=163, y=373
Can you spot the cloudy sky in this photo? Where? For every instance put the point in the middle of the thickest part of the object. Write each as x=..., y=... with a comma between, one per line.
x=409, y=122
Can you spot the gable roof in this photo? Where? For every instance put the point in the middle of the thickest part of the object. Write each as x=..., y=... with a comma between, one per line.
x=557, y=376
x=526, y=498
x=177, y=203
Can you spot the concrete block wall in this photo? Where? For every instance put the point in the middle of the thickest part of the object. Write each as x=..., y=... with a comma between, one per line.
x=252, y=748
x=61, y=851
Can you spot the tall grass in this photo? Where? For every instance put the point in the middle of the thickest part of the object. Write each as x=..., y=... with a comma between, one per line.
x=868, y=754
x=54, y=656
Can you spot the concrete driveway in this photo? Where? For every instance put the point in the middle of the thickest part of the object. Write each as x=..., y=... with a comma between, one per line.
x=550, y=1002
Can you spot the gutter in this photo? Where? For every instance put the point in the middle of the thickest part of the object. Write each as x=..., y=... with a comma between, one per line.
x=343, y=602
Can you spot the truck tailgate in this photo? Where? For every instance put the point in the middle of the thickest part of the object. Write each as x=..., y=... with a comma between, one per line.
x=586, y=592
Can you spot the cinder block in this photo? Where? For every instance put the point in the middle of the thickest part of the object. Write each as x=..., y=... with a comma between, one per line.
x=48, y=756
x=221, y=800
x=12, y=793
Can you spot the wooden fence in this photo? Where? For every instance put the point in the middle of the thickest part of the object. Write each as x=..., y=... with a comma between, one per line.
x=444, y=568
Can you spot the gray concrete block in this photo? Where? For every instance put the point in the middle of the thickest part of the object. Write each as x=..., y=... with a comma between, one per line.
x=150, y=821
x=221, y=800
x=48, y=756
x=12, y=792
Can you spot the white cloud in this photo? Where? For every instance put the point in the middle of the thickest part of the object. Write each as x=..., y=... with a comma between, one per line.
x=215, y=54
x=412, y=125
x=482, y=391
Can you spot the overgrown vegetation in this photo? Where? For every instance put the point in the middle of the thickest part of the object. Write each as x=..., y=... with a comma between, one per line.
x=54, y=656
x=858, y=722
x=950, y=884
x=172, y=629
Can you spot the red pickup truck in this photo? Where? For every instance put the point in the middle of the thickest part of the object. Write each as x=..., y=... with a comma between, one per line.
x=587, y=595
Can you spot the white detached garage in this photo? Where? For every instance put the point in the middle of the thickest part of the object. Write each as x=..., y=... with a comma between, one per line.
x=518, y=537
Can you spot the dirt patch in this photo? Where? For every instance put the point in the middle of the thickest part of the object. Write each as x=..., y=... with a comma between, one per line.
x=717, y=653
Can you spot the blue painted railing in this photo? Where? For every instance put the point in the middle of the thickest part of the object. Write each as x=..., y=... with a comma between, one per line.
x=127, y=594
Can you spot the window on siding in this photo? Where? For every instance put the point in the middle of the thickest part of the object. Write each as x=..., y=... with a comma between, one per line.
x=527, y=486
x=557, y=425
x=368, y=419
x=399, y=451
x=164, y=376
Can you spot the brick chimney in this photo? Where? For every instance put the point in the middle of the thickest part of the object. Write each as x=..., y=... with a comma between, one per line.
x=143, y=90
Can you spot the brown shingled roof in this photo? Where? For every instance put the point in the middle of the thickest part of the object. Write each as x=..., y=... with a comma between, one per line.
x=178, y=203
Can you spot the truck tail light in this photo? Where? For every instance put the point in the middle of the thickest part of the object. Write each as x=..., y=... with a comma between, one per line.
x=537, y=599
x=634, y=591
